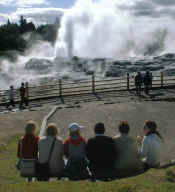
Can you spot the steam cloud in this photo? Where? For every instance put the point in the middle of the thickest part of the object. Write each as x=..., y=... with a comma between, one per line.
x=103, y=29
x=94, y=29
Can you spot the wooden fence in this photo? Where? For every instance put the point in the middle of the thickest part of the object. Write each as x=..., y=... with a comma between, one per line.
x=91, y=86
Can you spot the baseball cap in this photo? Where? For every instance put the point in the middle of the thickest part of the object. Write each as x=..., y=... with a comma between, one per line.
x=74, y=127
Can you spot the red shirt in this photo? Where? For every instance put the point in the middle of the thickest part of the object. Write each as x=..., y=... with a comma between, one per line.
x=28, y=147
x=73, y=142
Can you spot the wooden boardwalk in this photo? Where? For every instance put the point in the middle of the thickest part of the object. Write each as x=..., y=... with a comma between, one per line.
x=58, y=92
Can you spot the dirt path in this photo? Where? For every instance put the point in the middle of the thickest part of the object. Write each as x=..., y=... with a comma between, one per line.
x=88, y=114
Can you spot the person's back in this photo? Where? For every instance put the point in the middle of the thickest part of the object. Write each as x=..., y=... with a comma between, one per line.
x=100, y=152
x=151, y=150
x=138, y=79
x=74, y=148
x=56, y=163
x=127, y=161
x=147, y=79
x=151, y=145
x=11, y=94
x=22, y=92
x=28, y=146
x=75, y=153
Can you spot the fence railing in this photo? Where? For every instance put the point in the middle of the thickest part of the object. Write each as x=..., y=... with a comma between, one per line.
x=91, y=86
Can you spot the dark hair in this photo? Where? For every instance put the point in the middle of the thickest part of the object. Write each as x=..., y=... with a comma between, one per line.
x=124, y=127
x=52, y=130
x=152, y=126
x=99, y=128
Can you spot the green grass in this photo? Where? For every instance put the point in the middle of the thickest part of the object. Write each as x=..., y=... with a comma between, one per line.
x=10, y=181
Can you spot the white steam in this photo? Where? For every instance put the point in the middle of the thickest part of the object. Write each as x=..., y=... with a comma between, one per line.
x=102, y=29
x=94, y=29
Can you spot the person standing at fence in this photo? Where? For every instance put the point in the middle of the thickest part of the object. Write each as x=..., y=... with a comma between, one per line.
x=11, y=97
x=138, y=83
x=22, y=96
x=147, y=82
x=151, y=80
x=26, y=94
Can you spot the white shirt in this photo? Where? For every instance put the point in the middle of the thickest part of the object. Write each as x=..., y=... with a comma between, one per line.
x=151, y=149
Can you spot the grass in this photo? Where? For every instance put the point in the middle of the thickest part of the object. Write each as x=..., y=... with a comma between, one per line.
x=153, y=181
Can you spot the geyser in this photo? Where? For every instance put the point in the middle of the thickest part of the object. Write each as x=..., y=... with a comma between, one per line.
x=102, y=28
x=94, y=29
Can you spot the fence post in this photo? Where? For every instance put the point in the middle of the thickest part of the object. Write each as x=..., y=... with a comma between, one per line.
x=162, y=79
x=128, y=86
x=60, y=87
x=93, y=84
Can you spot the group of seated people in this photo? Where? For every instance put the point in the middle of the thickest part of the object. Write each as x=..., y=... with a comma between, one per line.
x=101, y=157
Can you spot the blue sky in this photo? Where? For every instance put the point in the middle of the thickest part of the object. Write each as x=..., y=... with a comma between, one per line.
x=12, y=9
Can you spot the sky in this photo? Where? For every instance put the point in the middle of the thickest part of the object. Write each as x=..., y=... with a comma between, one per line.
x=33, y=10
x=45, y=11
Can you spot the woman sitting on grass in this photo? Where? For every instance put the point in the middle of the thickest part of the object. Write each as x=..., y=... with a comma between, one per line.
x=51, y=152
x=28, y=144
x=74, y=150
x=127, y=162
x=151, y=145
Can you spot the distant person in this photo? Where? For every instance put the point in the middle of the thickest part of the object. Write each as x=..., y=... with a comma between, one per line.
x=151, y=80
x=51, y=153
x=127, y=162
x=28, y=144
x=147, y=82
x=138, y=83
x=101, y=154
x=11, y=97
x=26, y=94
x=22, y=96
x=75, y=153
x=151, y=145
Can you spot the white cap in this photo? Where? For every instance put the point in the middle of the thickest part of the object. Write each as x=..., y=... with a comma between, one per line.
x=74, y=127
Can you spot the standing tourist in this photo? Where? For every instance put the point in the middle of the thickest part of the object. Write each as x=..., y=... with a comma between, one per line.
x=138, y=83
x=147, y=82
x=26, y=94
x=22, y=96
x=11, y=97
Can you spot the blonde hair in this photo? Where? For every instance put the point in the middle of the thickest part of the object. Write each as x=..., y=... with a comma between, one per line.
x=52, y=130
x=30, y=127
